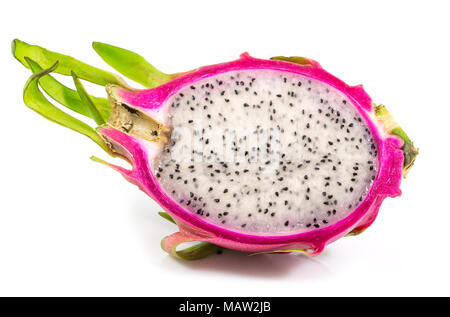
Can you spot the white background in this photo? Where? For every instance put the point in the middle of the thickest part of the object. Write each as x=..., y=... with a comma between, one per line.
x=69, y=226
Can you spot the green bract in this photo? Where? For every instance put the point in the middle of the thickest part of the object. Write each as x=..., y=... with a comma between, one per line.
x=131, y=65
x=34, y=99
x=66, y=65
x=66, y=96
x=42, y=62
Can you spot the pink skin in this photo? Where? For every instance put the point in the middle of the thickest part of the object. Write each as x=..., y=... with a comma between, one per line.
x=193, y=228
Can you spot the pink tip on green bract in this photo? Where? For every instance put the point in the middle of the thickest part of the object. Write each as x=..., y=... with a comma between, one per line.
x=142, y=127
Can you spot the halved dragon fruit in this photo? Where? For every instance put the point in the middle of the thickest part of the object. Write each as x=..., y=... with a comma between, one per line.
x=253, y=155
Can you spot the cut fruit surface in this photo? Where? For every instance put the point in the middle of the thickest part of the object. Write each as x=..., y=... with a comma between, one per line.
x=266, y=152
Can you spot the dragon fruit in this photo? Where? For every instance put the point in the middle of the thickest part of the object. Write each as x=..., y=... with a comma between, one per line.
x=269, y=156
